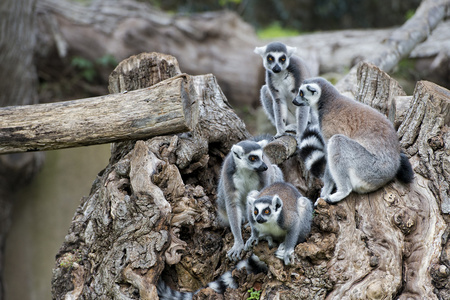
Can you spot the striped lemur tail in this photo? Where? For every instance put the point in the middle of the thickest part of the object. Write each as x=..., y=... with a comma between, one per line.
x=252, y=265
x=405, y=171
x=312, y=150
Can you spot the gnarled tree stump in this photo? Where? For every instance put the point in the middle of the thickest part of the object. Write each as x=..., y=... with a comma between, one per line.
x=152, y=213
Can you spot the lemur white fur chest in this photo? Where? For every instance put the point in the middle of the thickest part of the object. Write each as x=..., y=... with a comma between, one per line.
x=285, y=84
x=245, y=180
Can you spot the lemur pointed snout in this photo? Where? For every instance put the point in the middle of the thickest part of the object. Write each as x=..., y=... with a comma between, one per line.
x=260, y=219
x=299, y=101
x=276, y=69
x=262, y=168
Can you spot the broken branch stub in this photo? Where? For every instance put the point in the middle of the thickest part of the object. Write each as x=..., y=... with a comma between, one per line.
x=425, y=133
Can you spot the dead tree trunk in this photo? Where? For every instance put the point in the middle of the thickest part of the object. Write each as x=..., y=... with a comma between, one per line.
x=151, y=212
x=142, y=209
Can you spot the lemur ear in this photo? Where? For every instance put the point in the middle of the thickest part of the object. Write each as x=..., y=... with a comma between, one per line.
x=290, y=50
x=302, y=202
x=263, y=143
x=238, y=151
x=251, y=197
x=311, y=89
x=260, y=50
x=277, y=202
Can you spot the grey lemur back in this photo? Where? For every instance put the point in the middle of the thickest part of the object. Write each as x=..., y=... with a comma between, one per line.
x=284, y=74
x=279, y=212
x=244, y=169
x=362, y=147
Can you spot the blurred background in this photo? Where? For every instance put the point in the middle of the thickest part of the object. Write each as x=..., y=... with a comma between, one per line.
x=77, y=44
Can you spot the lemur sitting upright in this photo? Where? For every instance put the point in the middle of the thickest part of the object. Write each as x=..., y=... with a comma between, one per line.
x=244, y=169
x=284, y=74
x=362, y=147
x=279, y=212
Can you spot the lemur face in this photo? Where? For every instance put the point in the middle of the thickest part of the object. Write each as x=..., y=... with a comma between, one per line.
x=308, y=94
x=249, y=155
x=276, y=61
x=275, y=56
x=261, y=211
x=266, y=208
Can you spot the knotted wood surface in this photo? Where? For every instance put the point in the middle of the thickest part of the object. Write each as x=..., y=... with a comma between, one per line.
x=151, y=213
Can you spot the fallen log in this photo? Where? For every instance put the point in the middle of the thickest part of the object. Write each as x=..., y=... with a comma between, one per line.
x=165, y=108
x=416, y=30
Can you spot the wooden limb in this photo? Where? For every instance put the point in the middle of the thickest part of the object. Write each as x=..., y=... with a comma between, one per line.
x=164, y=108
x=127, y=76
x=417, y=29
x=282, y=152
x=401, y=42
x=281, y=149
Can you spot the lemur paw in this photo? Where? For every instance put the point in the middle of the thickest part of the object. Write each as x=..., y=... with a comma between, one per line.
x=291, y=128
x=284, y=254
x=278, y=135
x=235, y=252
x=250, y=243
x=269, y=241
x=317, y=202
x=287, y=258
x=280, y=251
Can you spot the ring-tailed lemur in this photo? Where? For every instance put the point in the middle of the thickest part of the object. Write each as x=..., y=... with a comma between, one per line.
x=284, y=74
x=252, y=265
x=279, y=212
x=245, y=168
x=363, y=151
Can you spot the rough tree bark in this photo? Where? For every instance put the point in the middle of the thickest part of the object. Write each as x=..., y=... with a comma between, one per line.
x=125, y=230
x=151, y=213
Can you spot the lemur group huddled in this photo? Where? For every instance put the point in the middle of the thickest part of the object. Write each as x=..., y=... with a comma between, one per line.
x=348, y=145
